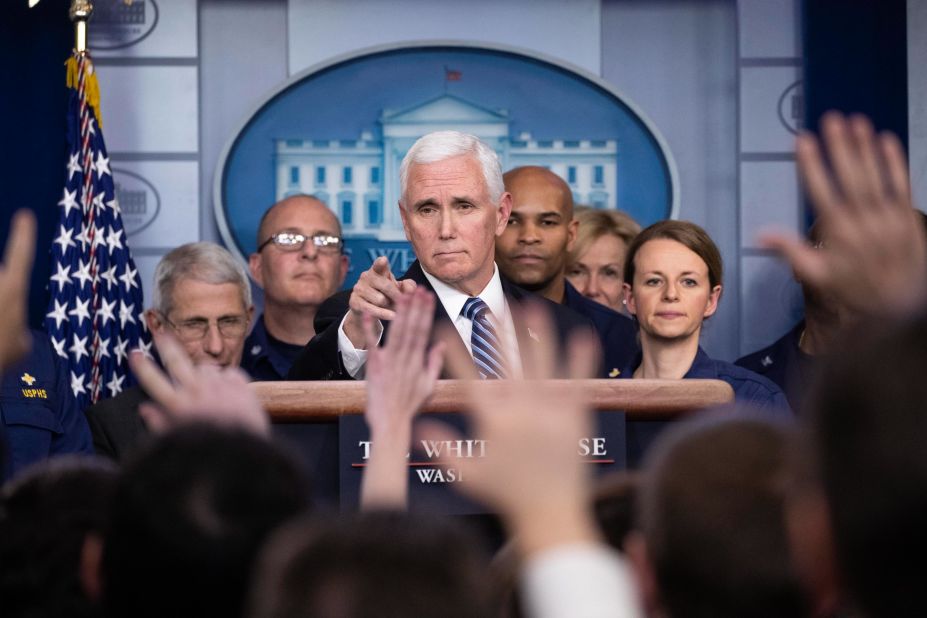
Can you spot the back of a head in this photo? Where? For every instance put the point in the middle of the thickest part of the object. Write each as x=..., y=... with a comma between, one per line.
x=378, y=564
x=868, y=436
x=711, y=510
x=46, y=515
x=190, y=515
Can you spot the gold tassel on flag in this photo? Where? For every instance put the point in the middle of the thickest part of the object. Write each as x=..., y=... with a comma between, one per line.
x=91, y=86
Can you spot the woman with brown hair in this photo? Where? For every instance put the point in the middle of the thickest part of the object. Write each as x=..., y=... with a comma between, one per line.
x=672, y=284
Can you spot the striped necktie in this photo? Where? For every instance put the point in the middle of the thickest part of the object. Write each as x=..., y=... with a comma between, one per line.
x=484, y=343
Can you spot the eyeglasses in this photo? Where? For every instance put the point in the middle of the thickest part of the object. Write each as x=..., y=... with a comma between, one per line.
x=293, y=241
x=230, y=327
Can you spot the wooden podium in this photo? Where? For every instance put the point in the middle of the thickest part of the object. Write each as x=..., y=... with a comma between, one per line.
x=322, y=424
x=320, y=402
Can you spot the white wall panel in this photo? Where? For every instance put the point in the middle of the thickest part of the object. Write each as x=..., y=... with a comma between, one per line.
x=678, y=62
x=144, y=28
x=160, y=202
x=761, y=102
x=770, y=301
x=768, y=28
x=322, y=29
x=917, y=99
x=768, y=199
x=150, y=108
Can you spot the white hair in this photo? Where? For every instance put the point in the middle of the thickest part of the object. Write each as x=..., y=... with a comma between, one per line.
x=201, y=261
x=442, y=145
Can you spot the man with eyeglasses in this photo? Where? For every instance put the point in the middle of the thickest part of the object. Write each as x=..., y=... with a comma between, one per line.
x=298, y=263
x=202, y=296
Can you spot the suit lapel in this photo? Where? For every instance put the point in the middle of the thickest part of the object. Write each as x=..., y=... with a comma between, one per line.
x=441, y=317
x=516, y=297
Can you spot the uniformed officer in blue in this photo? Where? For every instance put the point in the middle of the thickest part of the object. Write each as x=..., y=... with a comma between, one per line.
x=299, y=262
x=40, y=416
x=673, y=283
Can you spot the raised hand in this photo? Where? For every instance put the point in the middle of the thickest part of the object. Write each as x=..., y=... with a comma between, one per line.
x=14, y=288
x=194, y=393
x=532, y=473
x=375, y=293
x=400, y=377
x=873, y=252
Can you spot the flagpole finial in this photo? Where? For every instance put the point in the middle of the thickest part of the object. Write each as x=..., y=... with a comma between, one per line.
x=80, y=13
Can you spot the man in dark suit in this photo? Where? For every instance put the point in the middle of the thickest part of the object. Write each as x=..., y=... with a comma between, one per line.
x=453, y=206
x=202, y=294
x=532, y=252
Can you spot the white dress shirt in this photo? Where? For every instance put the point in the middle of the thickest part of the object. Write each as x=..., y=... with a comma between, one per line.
x=579, y=580
x=453, y=301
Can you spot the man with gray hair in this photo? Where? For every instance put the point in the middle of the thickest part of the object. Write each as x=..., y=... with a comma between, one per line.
x=453, y=205
x=203, y=297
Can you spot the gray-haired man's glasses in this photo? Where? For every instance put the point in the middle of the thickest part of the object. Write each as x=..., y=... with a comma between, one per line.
x=230, y=327
x=292, y=241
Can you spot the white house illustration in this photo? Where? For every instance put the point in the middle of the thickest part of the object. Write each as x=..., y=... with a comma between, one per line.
x=359, y=178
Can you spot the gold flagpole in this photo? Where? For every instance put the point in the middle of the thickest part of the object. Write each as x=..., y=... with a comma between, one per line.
x=80, y=13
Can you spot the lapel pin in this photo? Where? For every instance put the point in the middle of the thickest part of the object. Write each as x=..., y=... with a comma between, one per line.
x=614, y=373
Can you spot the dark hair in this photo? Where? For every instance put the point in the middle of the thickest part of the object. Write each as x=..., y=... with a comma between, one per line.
x=685, y=233
x=711, y=509
x=190, y=515
x=613, y=503
x=374, y=564
x=46, y=514
x=868, y=431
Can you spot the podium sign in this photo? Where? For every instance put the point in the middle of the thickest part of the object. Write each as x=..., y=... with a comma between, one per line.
x=432, y=486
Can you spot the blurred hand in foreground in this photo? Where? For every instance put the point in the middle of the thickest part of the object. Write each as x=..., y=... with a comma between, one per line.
x=14, y=288
x=872, y=253
x=401, y=375
x=531, y=473
x=188, y=393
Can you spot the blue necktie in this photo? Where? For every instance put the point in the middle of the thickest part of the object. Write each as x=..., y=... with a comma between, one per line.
x=484, y=343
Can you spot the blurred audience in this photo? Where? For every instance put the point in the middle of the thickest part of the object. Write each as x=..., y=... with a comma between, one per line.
x=191, y=512
x=379, y=563
x=51, y=517
x=710, y=538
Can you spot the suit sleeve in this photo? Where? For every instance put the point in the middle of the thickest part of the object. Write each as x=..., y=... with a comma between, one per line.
x=101, y=440
x=320, y=360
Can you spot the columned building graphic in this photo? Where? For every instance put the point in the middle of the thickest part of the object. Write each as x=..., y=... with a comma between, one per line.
x=359, y=178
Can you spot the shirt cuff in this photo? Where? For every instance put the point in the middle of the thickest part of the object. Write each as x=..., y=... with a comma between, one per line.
x=352, y=358
x=580, y=580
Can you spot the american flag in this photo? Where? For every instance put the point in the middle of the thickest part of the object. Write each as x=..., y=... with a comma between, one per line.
x=95, y=308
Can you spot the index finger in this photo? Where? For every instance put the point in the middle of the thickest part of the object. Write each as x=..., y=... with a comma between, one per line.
x=174, y=358
x=153, y=381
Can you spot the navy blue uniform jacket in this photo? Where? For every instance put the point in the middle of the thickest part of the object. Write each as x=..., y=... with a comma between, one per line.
x=260, y=359
x=322, y=361
x=749, y=388
x=39, y=414
x=784, y=363
x=618, y=333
